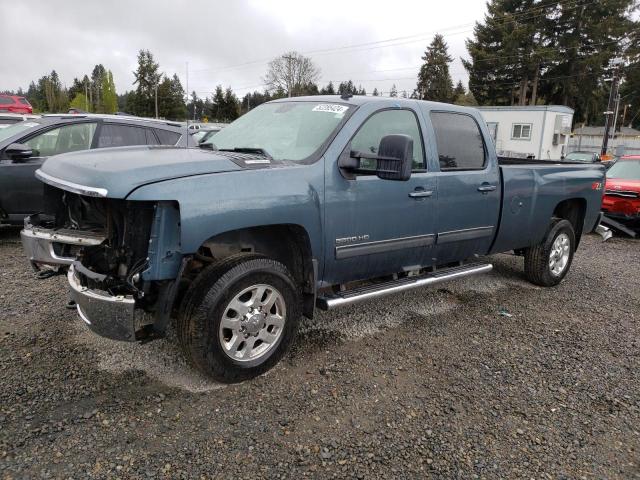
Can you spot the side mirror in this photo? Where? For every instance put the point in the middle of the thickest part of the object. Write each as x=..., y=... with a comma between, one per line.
x=18, y=152
x=395, y=157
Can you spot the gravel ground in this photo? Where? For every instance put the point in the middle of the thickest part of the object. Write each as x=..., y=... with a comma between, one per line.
x=487, y=377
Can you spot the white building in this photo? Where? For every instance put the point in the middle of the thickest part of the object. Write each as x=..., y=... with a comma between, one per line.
x=537, y=131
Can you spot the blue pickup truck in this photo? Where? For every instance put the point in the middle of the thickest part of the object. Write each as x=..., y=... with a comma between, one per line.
x=301, y=203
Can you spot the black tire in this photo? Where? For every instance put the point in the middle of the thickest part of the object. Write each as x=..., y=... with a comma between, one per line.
x=536, y=258
x=204, y=304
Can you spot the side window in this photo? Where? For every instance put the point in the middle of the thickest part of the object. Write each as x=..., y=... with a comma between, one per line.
x=68, y=138
x=151, y=138
x=459, y=141
x=166, y=137
x=521, y=131
x=389, y=122
x=112, y=135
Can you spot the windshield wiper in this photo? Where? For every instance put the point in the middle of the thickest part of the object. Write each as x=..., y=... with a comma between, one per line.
x=259, y=151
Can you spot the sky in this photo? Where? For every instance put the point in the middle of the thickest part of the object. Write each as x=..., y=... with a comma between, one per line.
x=375, y=44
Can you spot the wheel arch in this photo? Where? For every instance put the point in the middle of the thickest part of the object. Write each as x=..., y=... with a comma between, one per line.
x=288, y=244
x=573, y=210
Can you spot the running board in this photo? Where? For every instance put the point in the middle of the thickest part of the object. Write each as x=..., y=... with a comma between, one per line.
x=377, y=290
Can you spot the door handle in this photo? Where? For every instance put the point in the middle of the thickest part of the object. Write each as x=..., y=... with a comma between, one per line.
x=485, y=188
x=421, y=193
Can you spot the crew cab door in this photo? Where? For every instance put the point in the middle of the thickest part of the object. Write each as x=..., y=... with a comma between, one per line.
x=376, y=227
x=468, y=183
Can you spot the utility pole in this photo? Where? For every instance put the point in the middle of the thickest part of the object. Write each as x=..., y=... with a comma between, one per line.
x=156, y=90
x=615, y=118
x=613, y=95
x=86, y=97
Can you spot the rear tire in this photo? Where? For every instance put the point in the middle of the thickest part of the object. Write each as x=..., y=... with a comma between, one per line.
x=547, y=263
x=239, y=317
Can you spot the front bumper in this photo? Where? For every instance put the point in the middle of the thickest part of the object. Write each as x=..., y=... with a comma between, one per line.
x=54, y=247
x=107, y=315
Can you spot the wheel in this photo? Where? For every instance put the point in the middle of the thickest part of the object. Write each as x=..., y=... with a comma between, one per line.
x=239, y=317
x=547, y=263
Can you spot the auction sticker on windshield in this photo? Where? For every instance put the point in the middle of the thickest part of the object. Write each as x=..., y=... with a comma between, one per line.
x=330, y=108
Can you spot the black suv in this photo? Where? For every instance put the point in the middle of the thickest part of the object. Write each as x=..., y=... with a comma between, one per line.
x=24, y=146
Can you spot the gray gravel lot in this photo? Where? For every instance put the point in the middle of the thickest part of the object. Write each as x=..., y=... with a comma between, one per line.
x=434, y=383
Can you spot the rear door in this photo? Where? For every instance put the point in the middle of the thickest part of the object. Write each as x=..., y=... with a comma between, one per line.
x=468, y=185
x=375, y=227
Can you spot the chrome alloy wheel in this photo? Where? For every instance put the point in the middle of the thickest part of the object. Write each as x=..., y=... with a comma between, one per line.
x=559, y=256
x=253, y=323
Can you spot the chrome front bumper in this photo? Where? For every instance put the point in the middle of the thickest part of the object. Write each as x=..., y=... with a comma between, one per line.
x=107, y=315
x=40, y=244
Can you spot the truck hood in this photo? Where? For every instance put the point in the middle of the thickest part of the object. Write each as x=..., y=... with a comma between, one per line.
x=115, y=172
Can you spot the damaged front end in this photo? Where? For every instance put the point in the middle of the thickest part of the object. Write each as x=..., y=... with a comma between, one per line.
x=122, y=256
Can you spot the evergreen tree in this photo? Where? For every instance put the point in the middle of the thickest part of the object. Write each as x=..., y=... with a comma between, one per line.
x=459, y=90
x=147, y=78
x=217, y=105
x=347, y=88
x=553, y=52
x=630, y=90
x=252, y=100
x=109, y=102
x=585, y=39
x=328, y=90
x=231, y=106
x=375, y=92
x=95, y=92
x=434, y=79
x=394, y=91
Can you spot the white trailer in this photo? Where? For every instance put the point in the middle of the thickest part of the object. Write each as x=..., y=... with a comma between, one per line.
x=538, y=131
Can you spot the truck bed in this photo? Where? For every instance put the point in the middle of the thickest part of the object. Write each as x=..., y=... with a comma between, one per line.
x=533, y=190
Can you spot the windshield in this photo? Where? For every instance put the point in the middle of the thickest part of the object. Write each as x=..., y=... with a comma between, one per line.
x=624, y=169
x=284, y=131
x=579, y=157
x=16, y=128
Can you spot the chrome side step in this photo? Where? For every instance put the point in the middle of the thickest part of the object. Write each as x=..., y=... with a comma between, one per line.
x=370, y=292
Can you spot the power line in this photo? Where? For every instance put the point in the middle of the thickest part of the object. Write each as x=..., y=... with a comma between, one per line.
x=391, y=41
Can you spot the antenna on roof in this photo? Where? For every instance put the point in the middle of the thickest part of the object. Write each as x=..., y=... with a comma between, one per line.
x=346, y=96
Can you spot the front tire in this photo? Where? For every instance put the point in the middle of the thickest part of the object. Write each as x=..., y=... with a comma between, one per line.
x=547, y=263
x=239, y=317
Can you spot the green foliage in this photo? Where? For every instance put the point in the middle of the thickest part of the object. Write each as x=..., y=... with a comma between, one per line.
x=109, y=103
x=328, y=90
x=147, y=79
x=80, y=101
x=552, y=52
x=225, y=106
x=434, y=79
x=171, y=99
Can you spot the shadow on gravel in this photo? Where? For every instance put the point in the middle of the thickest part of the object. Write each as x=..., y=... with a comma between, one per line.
x=9, y=233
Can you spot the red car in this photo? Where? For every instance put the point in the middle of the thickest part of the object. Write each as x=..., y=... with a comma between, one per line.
x=14, y=104
x=622, y=191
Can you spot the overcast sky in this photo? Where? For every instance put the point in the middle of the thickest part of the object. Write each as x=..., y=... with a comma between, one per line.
x=375, y=44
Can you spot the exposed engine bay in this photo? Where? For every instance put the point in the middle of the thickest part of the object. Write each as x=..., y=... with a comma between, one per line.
x=125, y=226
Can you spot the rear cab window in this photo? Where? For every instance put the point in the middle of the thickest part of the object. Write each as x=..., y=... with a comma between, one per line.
x=167, y=137
x=459, y=142
x=114, y=135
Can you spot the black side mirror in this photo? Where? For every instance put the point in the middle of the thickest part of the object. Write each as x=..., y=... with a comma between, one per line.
x=18, y=152
x=395, y=157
